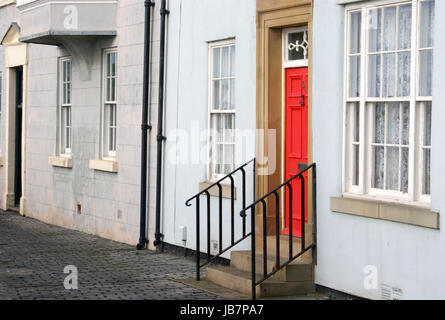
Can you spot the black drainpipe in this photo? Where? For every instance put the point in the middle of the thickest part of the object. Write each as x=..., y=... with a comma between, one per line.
x=160, y=137
x=145, y=127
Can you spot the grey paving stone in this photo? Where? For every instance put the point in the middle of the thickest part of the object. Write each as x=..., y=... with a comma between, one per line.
x=33, y=256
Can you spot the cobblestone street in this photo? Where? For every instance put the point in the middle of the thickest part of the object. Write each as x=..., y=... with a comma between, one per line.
x=33, y=256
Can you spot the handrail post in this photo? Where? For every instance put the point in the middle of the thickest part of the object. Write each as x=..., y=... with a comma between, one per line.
x=253, y=254
x=303, y=218
x=232, y=208
x=290, y=222
x=314, y=212
x=264, y=237
x=220, y=217
x=277, y=229
x=208, y=226
x=198, y=249
x=252, y=231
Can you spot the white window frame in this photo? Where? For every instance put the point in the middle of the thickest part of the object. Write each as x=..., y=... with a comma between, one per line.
x=212, y=175
x=1, y=108
x=65, y=108
x=293, y=63
x=108, y=106
x=416, y=126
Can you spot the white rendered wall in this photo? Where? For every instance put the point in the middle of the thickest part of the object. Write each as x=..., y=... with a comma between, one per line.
x=407, y=257
x=192, y=24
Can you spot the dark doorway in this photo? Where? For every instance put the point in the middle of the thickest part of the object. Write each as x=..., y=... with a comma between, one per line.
x=18, y=137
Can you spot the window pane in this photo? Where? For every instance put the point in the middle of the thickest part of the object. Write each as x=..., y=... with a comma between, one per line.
x=390, y=29
x=393, y=123
x=389, y=68
x=405, y=123
x=405, y=26
x=229, y=126
x=375, y=30
x=377, y=174
x=356, y=124
x=233, y=61
x=427, y=124
x=113, y=89
x=425, y=73
x=113, y=64
x=219, y=159
x=232, y=94
x=108, y=65
x=296, y=39
x=68, y=70
x=404, y=170
x=426, y=186
x=216, y=63
x=404, y=74
x=355, y=32
x=225, y=62
x=379, y=123
x=426, y=24
x=355, y=165
x=392, y=168
x=374, y=76
x=216, y=94
x=218, y=127
x=224, y=94
x=354, y=76
x=228, y=158
x=68, y=93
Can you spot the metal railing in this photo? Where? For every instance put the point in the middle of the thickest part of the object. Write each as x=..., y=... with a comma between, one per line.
x=233, y=241
x=278, y=265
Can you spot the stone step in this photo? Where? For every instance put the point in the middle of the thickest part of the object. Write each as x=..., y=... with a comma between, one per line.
x=284, y=248
x=239, y=280
x=297, y=270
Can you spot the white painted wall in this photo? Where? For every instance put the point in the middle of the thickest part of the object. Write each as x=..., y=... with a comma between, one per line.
x=8, y=14
x=407, y=257
x=192, y=24
x=110, y=202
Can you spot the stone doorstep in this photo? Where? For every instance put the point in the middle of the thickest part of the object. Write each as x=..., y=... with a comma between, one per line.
x=239, y=280
x=297, y=270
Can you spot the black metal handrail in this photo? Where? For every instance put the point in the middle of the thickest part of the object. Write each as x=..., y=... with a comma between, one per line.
x=304, y=248
x=206, y=192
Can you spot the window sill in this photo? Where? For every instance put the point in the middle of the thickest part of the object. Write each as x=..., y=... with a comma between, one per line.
x=62, y=162
x=214, y=192
x=4, y=3
x=402, y=213
x=104, y=165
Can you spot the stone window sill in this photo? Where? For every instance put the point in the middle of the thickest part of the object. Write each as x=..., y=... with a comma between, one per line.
x=62, y=162
x=104, y=165
x=395, y=212
x=4, y=3
x=214, y=192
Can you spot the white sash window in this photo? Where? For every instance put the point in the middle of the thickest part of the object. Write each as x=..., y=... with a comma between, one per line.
x=388, y=99
x=222, y=108
x=110, y=103
x=65, y=107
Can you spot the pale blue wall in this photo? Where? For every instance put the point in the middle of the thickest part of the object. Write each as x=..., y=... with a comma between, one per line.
x=407, y=257
x=187, y=98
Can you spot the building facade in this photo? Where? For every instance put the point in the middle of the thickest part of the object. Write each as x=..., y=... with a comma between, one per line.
x=349, y=86
x=80, y=128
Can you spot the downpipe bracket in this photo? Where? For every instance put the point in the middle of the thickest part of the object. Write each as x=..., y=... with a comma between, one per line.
x=158, y=239
x=149, y=3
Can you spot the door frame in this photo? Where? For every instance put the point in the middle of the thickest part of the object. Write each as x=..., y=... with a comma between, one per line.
x=289, y=65
x=272, y=18
x=16, y=56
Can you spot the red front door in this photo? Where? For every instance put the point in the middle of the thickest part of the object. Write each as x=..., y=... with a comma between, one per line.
x=296, y=154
